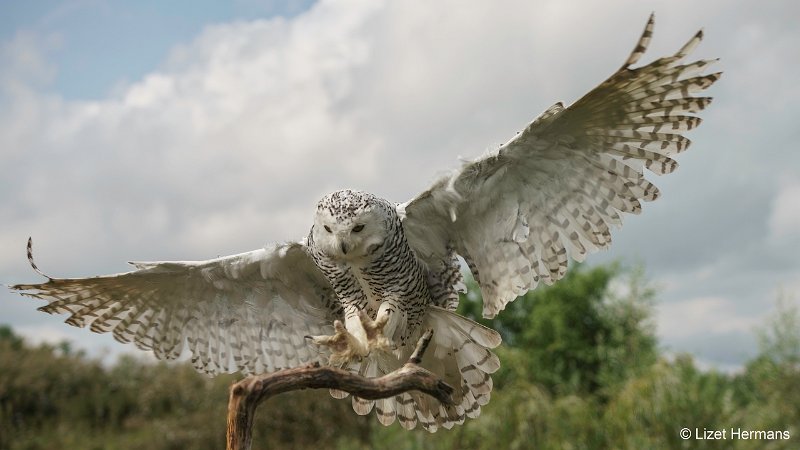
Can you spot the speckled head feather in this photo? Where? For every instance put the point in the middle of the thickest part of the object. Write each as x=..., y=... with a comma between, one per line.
x=346, y=204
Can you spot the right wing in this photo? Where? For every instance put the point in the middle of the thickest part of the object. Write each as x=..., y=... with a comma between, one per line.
x=556, y=189
x=248, y=312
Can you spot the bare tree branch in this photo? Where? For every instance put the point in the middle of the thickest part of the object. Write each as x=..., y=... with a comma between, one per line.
x=247, y=394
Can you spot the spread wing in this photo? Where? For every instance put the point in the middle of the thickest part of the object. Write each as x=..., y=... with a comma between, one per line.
x=557, y=187
x=247, y=312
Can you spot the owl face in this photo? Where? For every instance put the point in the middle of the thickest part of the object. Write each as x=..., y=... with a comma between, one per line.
x=350, y=225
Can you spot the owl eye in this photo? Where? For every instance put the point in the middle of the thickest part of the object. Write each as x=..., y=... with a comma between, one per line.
x=327, y=228
x=358, y=228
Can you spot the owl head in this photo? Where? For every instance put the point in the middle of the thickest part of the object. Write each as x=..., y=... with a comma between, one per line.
x=350, y=225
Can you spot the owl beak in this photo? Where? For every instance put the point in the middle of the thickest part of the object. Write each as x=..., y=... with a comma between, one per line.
x=345, y=247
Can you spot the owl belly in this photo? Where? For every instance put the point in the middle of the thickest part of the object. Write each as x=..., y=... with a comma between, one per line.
x=396, y=286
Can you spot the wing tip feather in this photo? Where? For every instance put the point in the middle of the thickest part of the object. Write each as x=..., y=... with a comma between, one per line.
x=29, y=250
x=642, y=43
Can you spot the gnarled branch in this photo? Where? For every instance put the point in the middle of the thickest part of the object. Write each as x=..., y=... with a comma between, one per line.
x=247, y=394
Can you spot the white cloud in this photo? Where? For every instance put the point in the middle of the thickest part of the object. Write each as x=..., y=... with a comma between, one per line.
x=784, y=221
x=703, y=316
x=24, y=64
x=45, y=334
x=242, y=119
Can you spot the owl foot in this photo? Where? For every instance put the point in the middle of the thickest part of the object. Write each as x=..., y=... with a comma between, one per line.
x=344, y=346
x=374, y=329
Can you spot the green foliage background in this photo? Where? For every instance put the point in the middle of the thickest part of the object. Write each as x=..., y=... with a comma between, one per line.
x=581, y=370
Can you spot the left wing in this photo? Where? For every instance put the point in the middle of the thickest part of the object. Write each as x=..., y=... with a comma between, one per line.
x=248, y=312
x=556, y=187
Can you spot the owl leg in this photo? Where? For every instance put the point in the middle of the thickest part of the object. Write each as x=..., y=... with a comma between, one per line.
x=389, y=318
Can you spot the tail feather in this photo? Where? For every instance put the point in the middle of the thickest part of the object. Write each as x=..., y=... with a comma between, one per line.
x=361, y=406
x=385, y=410
x=475, y=410
x=425, y=408
x=406, y=413
x=336, y=393
x=369, y=368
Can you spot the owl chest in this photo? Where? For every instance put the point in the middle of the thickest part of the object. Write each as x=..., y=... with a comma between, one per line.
x=372, y=287
x=397, y=275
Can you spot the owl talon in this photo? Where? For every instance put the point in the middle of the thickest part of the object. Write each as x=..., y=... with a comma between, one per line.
x=343, y=345
x=374, y=329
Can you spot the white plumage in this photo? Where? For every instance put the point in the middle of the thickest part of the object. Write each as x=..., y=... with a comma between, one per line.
x=373, y=275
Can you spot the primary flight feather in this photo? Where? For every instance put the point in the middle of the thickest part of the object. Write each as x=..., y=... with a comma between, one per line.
x=373, y=275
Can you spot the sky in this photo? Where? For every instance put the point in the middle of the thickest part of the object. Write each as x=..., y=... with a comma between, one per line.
x=187, y=130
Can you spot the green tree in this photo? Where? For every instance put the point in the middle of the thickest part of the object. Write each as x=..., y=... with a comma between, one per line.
x=52, y=398
x=769, y=388
x=584, y=334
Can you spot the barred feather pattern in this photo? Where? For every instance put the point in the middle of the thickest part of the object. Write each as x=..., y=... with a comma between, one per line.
x=445, y=282
x=247, y=312
x=557, y=188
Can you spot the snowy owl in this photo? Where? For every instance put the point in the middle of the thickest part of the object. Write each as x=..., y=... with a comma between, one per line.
x=372, y=275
